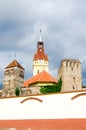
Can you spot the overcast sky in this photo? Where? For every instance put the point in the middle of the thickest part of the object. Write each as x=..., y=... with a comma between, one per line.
x=63, y=24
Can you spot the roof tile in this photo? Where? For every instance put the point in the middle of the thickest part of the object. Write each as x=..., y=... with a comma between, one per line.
x=41, y=77
x=14, y=63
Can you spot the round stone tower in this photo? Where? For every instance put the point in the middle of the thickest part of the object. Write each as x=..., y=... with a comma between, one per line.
x=70, y=71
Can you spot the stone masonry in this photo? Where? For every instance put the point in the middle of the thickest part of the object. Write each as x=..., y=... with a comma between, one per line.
x=70, y=71
x=13, y=78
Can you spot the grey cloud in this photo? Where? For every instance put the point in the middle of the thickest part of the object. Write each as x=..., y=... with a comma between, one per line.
x=64, y=31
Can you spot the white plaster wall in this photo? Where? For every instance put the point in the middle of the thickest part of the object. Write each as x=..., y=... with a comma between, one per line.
x=54, y=106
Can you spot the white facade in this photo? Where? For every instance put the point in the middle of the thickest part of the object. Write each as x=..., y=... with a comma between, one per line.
x=39, y=66
x=53, y=106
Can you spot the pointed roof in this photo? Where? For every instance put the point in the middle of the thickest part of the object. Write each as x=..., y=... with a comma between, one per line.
x=40, y=56
x=14, y=63
x=40, y=53
x=40, y=78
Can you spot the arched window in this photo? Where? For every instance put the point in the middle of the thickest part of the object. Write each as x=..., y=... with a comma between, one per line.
x=73, y=87
x=38, y=71
x=73, y=79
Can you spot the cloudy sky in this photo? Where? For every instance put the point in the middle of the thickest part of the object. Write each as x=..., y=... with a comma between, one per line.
x=63, y=24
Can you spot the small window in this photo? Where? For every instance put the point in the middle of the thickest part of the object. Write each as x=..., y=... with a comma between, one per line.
x=6, y=72
x=12, y=71
x=21, y=74
x=66, y=64
x=73, y=64
x=35, y=62
x=73, y=87
x=38, y=71
x=72, y=68
x=77, y=65
x=70, y=64
x=73, y=79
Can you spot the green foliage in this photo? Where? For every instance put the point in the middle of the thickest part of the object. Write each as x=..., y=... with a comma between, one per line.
x=17, y=91
x=52, y=88
x=59, y=84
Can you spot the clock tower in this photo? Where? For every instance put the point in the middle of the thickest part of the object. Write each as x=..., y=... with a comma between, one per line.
x=40, y=61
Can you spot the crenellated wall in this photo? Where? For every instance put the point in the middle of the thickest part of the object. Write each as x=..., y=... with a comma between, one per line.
x=70, y=71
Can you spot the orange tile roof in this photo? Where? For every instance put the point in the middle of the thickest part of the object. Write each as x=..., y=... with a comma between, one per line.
x=14, y=63
x=41, y=77
x=40, y=54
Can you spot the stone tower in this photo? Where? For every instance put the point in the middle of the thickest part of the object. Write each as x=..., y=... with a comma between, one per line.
x=40, y=61
x=13, y=78
x=70, y=71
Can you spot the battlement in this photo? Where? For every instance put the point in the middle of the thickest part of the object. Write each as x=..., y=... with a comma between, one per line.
x=71, y=60
x=70, y=63
x=70, y=71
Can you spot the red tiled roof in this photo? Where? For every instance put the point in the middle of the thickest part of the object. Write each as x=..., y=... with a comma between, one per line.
x=14, y=63
x=40, y=54
x=41, y=77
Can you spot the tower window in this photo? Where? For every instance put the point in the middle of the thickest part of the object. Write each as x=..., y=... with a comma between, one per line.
x=73, y=79
x=72, y=68
x=21, y=74
x=40, y=46
x=70, y=64
x=77, y=65
x=73, y=64
x=12, y=71
x=66, y=64
x=73, y=87
x=6, y=72
x=38, y=71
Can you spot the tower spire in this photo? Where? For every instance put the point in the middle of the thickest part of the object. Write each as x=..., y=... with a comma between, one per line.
x=40, y=36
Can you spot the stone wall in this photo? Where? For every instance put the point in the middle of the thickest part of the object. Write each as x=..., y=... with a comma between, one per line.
x=13, y=78
x=70, y=71
x=34, y=90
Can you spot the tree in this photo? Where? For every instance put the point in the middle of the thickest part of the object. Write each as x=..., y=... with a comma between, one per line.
x=17, y=91
x=59, y=84
x=52, y=88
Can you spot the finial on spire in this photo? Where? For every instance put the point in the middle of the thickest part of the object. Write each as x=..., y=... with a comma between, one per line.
x=40, y=36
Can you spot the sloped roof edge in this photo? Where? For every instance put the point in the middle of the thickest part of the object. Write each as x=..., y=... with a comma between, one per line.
x=14, y=63
x=41, y=77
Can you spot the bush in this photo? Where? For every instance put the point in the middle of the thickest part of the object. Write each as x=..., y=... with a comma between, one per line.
x=51, y=88
x=17, y=91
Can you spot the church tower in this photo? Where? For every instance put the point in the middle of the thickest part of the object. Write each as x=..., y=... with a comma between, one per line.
x=13, y=78
x=40, y=61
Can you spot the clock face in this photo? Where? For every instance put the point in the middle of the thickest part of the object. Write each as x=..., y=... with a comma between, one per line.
x=40, y=50
x=40, y=46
